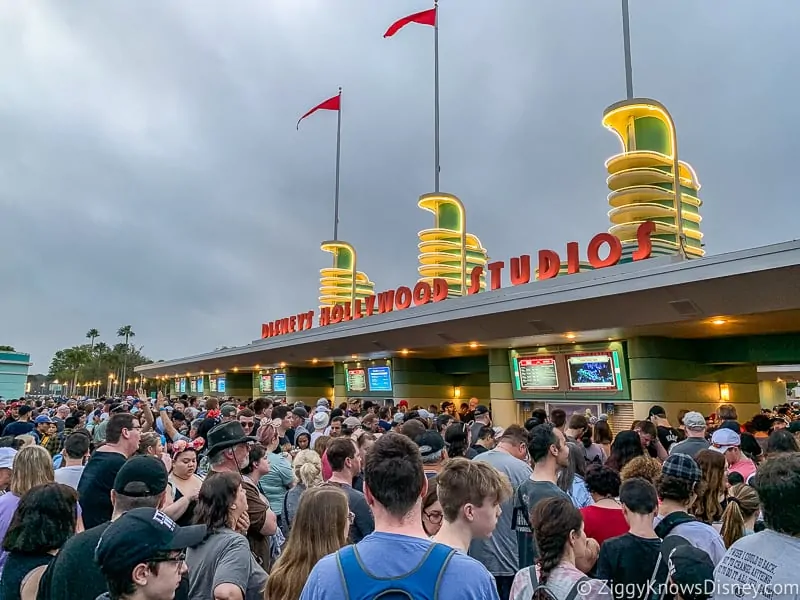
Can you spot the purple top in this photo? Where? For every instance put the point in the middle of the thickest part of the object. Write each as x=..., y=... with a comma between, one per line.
x=8, y=506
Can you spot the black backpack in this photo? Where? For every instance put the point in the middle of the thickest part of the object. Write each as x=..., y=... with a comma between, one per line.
x=669, y=542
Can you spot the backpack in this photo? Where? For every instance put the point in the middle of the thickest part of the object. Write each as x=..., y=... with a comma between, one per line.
x=573, y=592
x=420, y=583
x=669, y=542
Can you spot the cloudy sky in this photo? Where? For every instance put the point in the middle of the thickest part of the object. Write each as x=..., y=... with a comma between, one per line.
x=151, y=174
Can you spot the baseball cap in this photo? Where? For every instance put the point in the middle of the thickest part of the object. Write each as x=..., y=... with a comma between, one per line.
x=7, y=458
x=403, y=403
x=140, y=535
x=723, y=439
x=398, y=418
x=323, y=402
x=228, y=410
x=320, y=420
x=424, y=414
x=24, y=409
x=682, y=466
x=300, y=412
x=430, y=442
x=43, y=419
x=692, y=571
x=694, y=420
x=794, y=427
x=141, y=476
x=657, y=411
x=352, y=423
x=481, y=410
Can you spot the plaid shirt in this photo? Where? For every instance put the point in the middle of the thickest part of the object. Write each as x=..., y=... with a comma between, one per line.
x=52, y=444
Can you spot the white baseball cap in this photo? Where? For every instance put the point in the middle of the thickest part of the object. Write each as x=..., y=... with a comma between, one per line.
x=724, y=439
x=7, y=458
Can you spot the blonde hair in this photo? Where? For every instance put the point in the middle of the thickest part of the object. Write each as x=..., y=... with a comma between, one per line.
x=32, y=466
x=148, y=440
x=707, y=507
x=646, y=467
x=26, y=439
x=322, y=444
x=743, y=503
x=463, y=481
x=307, y=468
x=318, y=529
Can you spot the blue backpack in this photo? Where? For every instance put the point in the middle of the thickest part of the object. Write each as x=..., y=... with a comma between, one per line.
x=421, y=583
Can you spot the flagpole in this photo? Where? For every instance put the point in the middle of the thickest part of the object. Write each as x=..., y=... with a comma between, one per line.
x=436, y=92
x=626, y=43
x=338, y=155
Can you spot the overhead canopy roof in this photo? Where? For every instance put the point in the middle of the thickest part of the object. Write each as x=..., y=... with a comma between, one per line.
x=754, y=291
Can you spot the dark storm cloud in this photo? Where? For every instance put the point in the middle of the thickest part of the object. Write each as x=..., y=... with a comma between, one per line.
x=150, y=173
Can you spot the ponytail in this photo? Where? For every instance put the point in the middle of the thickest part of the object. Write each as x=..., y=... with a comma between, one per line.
x=552, y=521
x=743, y=503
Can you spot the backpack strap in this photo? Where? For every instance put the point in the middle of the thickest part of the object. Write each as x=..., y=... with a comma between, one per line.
x=573, y=592
x=421, y=583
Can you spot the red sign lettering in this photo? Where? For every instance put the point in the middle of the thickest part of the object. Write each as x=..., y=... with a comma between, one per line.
x=424, y=293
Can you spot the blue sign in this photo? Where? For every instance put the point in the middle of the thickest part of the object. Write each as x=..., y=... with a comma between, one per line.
x=279, y=382
x=380, y=379
x=221, y=384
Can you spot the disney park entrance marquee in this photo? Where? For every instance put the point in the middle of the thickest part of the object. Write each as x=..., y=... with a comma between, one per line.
x=519, y=269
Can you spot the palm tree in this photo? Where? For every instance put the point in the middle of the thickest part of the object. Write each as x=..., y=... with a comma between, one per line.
x=92, y=334
x=125, y=331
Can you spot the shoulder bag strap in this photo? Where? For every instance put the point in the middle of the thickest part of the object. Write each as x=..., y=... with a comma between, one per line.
x=573, y=592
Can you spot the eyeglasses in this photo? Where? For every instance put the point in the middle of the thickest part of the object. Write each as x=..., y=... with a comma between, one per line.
x=246, y=425
x=178, y=559
x=433, y=516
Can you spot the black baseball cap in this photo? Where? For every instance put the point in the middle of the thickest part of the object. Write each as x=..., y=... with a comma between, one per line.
x=481, y=410
x=140, y=477
x=657, y=411
x=141, y=535
x=692, y=571
x=430, y=442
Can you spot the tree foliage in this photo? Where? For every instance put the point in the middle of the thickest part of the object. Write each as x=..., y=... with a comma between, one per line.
x=86, y=363
x=7, y=349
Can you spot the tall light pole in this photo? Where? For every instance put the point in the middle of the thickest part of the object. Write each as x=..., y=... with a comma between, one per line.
x=626, y=44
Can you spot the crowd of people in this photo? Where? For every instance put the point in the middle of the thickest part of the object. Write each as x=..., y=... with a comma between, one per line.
x=200, y=498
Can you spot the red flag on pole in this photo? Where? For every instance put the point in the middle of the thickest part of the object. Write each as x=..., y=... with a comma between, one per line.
x=426, y=17
x=333, y=103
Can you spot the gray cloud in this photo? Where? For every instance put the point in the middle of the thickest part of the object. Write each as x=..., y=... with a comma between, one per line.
x=150, y=172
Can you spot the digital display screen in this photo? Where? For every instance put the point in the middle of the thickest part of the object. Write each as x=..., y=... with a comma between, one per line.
x=183, y=386
x=193, y=385
x=212, y=383
x=221, y=384
x=592, y=371
x=279, y=382
x=356, y=380
x=199, y=385
x=380, y=379
x=265, y=383
x=177, y=385
x=536, y=373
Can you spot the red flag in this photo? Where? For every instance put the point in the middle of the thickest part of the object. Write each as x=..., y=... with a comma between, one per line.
x=426, y=17
x=333, y=103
